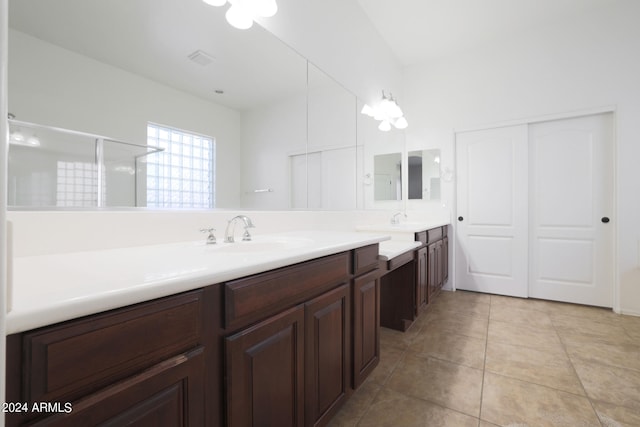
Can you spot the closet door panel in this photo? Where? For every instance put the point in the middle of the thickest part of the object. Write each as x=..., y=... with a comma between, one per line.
x=492, y=211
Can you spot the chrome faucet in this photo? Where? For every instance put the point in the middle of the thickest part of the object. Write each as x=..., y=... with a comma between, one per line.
x=395, y=220
x=231, y=226
x=211, y=238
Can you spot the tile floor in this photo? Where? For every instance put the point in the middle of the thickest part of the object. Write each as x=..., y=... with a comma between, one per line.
x=485, y=360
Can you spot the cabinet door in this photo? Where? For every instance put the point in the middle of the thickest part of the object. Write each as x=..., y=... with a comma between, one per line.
x=327, y=354
x=366, y=326
x=445, y=260
x=422, y=290
x=432, y=270
x=265, y=372
x=170, y=394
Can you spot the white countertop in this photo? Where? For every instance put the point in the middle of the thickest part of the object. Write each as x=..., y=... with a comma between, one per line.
x=52, y=288
x=393, y=248
x=404, y=231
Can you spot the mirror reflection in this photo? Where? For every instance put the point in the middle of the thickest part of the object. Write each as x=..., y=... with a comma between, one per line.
x=387, y=177
x=282, y=133
x=424, y=175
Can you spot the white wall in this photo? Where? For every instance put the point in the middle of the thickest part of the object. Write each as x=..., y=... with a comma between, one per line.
x=586, y=62
x=51, y=85
x=269, y=134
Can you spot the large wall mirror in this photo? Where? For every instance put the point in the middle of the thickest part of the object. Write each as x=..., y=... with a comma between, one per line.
x=126, y=74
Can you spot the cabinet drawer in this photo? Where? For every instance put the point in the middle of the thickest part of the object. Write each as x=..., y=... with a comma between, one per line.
x=257, y=297
x=445, y=229
x=365, y=259
x=153, y=397
x=81, y=356
x=421, y=237
x=434, y=234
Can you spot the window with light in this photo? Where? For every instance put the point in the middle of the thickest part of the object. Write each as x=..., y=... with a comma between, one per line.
x=183, y=175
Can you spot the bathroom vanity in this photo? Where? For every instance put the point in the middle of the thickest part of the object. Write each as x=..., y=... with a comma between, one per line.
x=281, y=346
x=414, y=276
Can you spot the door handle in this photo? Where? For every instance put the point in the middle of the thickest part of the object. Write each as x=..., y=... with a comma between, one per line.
x=460, y=218
x=605, y=219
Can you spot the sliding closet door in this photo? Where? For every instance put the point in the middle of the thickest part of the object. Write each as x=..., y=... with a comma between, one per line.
x=492, y=199
x=571, y=208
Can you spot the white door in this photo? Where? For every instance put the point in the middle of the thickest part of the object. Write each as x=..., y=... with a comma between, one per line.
x=571, y=190
x=492, y=227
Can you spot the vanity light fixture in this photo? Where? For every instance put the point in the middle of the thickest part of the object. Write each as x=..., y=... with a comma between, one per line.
x=241, y=13
x=17, y=137
x=388, y=112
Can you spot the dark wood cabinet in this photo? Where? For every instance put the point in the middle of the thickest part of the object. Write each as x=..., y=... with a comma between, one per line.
x=168, y=394
x=398, y=292
x=265, y=372
x=412, y=280
x=438, y=263
x=422, y=280
x=327, y=354
x=285, y=347
x=445, y=260
x=132, y=364
x=366, y=325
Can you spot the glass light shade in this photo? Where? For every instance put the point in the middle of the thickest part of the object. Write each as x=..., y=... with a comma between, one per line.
x=379, y=114
x=394, y=110
x=384, y=126
x=367, y=110
x=215, y=2
x=238, y=18
x=401, y=123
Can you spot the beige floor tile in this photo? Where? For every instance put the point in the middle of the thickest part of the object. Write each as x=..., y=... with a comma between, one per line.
x=448, y=384
x=448, y=346
x=610, y=384
x=616, y=416
x=602, y=315
x=552, y=369
x=631, y=325
x=590, y=329
x=464, y=296
x=524, y=335
x=356, y=406
x=393, y=409
x=389, y=359
x=461, y=324
x=507, y=313
x=622, y=355
x=466, y=307
x=521, y=303
x=508, y=401
x=486, y=424
x=397, y=339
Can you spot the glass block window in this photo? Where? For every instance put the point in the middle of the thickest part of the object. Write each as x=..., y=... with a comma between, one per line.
x=77, y=184
x=183, y=175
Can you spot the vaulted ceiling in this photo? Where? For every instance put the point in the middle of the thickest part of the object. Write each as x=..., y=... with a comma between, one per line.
x=423, y=30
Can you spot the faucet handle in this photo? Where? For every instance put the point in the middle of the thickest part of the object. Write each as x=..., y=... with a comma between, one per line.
x=211, y=238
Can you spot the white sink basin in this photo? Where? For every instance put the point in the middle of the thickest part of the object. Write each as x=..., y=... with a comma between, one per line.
x=262, y=244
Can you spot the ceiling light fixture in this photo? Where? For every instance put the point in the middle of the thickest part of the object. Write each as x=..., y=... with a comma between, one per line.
x=242, y=13
x=388, y=112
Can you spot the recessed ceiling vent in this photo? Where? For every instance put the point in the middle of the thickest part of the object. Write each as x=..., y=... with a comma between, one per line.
x=201, y=58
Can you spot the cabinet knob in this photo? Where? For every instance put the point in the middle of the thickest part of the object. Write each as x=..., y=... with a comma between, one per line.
x=605, y=219
x=460, y=218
